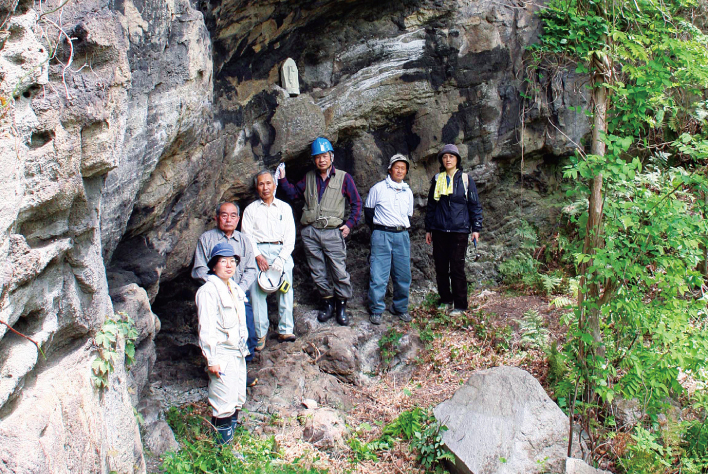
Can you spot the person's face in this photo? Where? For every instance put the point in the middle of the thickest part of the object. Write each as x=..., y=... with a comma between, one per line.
x=323, y=161
x=398, y=171
x=227, y=220
x=225, y=267
x=265, y=187
x=449, y=161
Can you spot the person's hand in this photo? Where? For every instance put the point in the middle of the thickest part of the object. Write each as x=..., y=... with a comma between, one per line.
x=280, y=172
x=262, y=263
x=428, y=238
x=475, y=236
x=215, y=370
x=345, y=230
x=277, y=264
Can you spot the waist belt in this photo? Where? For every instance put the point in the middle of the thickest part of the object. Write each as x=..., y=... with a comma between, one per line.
x=385, y=228
x=280, y=242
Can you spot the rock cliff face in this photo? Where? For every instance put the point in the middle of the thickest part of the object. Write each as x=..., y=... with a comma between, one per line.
x=125, y=122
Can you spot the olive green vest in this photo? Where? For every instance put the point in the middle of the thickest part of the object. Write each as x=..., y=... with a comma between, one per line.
x=329, y=212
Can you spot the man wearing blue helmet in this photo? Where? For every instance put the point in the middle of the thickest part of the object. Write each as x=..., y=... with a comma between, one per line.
x=326, y=191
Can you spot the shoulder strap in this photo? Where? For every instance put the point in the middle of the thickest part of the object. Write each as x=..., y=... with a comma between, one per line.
x=466, y=182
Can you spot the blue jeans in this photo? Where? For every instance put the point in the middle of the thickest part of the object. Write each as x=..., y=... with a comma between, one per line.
x=390, y=255
x=285, y=300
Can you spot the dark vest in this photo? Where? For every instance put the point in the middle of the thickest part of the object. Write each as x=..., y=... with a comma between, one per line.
x=329, y=212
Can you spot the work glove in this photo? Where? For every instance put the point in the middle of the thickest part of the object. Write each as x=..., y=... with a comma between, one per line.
x=277, y=264
x=279, y=173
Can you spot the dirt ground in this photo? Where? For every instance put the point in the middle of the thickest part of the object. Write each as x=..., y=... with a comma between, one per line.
x=489, y=336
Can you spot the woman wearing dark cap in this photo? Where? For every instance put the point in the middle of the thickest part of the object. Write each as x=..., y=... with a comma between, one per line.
x=453, y=213
x=222, y=337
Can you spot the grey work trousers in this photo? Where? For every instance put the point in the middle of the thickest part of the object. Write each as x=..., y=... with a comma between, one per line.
x=326, y=254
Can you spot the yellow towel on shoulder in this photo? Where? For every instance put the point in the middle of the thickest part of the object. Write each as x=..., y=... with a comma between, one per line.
x=442, y=188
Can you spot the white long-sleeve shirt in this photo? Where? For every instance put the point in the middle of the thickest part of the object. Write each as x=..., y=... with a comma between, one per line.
x=274, y=223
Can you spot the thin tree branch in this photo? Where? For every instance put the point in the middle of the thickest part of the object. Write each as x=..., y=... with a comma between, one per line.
x=26, y=337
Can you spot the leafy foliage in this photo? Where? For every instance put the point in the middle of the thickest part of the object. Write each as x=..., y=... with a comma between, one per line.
x=389, y=345
x=653, y=232
x=248, y=454
x=533, y=333
x=524, y=266
x=108, y=342
x=424, y=432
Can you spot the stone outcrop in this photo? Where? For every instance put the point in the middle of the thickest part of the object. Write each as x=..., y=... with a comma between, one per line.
x=502, y=421
x=578, y=466
x=66, y=129
x=324, y=428
x=116, y=146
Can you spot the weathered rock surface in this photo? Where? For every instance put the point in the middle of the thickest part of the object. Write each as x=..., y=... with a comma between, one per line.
x=159, y=438
x=578, y=466
x=170, y=106
x=324, y=428
x=132, y=300
x=60, y=424
x=502, y=421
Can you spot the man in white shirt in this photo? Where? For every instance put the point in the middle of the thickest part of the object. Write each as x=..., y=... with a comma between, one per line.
x=270, y=225
x=387, y=210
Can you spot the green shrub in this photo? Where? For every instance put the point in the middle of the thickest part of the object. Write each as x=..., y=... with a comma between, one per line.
x=389, y=345
x=107, y=341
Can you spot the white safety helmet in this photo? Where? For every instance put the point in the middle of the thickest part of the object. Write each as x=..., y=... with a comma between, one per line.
x=270, y=280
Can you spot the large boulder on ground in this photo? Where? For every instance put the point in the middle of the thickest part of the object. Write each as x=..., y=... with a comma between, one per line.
x=159, y=438
x=502, y=421
x=578, y=466
x=324, y=428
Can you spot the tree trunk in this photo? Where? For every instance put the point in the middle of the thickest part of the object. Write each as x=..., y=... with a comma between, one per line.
x=590, y=291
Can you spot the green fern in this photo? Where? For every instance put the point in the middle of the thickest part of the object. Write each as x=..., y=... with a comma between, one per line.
x=548, y=283
x=533, y=333
x=562, y=301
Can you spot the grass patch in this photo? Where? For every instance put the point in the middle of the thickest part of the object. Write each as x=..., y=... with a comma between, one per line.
x=247, y=454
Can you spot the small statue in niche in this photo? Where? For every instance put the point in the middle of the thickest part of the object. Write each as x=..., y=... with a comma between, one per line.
x=288, y=77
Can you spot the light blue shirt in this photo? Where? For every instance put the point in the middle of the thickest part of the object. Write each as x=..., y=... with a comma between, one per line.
x=392, y=203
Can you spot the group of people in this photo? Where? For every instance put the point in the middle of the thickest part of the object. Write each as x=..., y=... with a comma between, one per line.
x=239, y=269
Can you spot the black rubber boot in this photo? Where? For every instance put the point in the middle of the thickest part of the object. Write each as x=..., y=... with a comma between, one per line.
x=342, y=317
x=224, y=430
x=234, y=421
x=327, y=310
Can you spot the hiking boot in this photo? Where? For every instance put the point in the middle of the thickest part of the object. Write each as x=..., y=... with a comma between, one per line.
x=234, y=421
x=375, y=318
x=445, y=307
x=251, y=381
x=404, y=316
x=261, y=344
x=342, y=317
x=287, y=337
x=457, y=312
x=327, y=310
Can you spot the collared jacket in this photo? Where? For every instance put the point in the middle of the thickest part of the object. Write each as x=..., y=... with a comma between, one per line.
x=222, y=319
x=454, y=213
x=246, y=272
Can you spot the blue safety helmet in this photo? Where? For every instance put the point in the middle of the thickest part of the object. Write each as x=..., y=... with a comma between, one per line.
x=321, y=145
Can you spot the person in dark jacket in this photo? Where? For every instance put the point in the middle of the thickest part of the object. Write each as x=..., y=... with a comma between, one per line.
x=453, y=213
